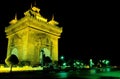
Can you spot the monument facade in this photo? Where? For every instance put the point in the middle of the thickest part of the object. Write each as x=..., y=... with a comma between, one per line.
x=32, y=36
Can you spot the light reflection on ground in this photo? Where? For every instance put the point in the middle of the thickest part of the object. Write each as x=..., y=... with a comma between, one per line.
x=102, y=73
x=62, y=75
x=24, y=68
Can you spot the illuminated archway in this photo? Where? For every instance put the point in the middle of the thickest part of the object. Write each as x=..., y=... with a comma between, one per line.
x=44, y=52
x=14, y=52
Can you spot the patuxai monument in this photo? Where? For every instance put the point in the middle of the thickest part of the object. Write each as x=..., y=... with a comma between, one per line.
x=32, y=37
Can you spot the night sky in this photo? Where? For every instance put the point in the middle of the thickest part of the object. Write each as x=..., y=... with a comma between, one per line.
x=90, y=29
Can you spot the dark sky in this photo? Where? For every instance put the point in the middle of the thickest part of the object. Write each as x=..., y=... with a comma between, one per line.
x=90, y=29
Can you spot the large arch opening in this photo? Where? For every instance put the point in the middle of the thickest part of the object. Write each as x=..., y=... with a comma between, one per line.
x=12, y=58
x=14, y=52
x=45, y=57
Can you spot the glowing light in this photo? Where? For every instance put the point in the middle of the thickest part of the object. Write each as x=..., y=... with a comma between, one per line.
x=64, y=64
x=62, y=57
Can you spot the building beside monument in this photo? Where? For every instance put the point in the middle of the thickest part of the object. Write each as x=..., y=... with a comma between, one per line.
x=33, y=36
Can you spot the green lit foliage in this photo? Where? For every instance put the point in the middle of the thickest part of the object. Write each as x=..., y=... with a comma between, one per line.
x=103, y=63
x=106, y=62
x=91, y=63
x=78, y=64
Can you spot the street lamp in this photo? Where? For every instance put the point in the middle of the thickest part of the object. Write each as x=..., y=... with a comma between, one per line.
x=62, y=57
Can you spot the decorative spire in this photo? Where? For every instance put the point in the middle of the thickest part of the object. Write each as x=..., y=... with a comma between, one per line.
x=52, y=21
x=13, y=21
x=34, y=8
x=35, y=12
x=31, y=5
x=35, y=3
x=16, y=16
x=53, y=17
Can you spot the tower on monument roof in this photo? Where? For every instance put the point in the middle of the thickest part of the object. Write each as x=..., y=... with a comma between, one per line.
x=35, y=12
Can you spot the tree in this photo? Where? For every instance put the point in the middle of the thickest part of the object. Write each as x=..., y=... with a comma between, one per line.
x=11, y=60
